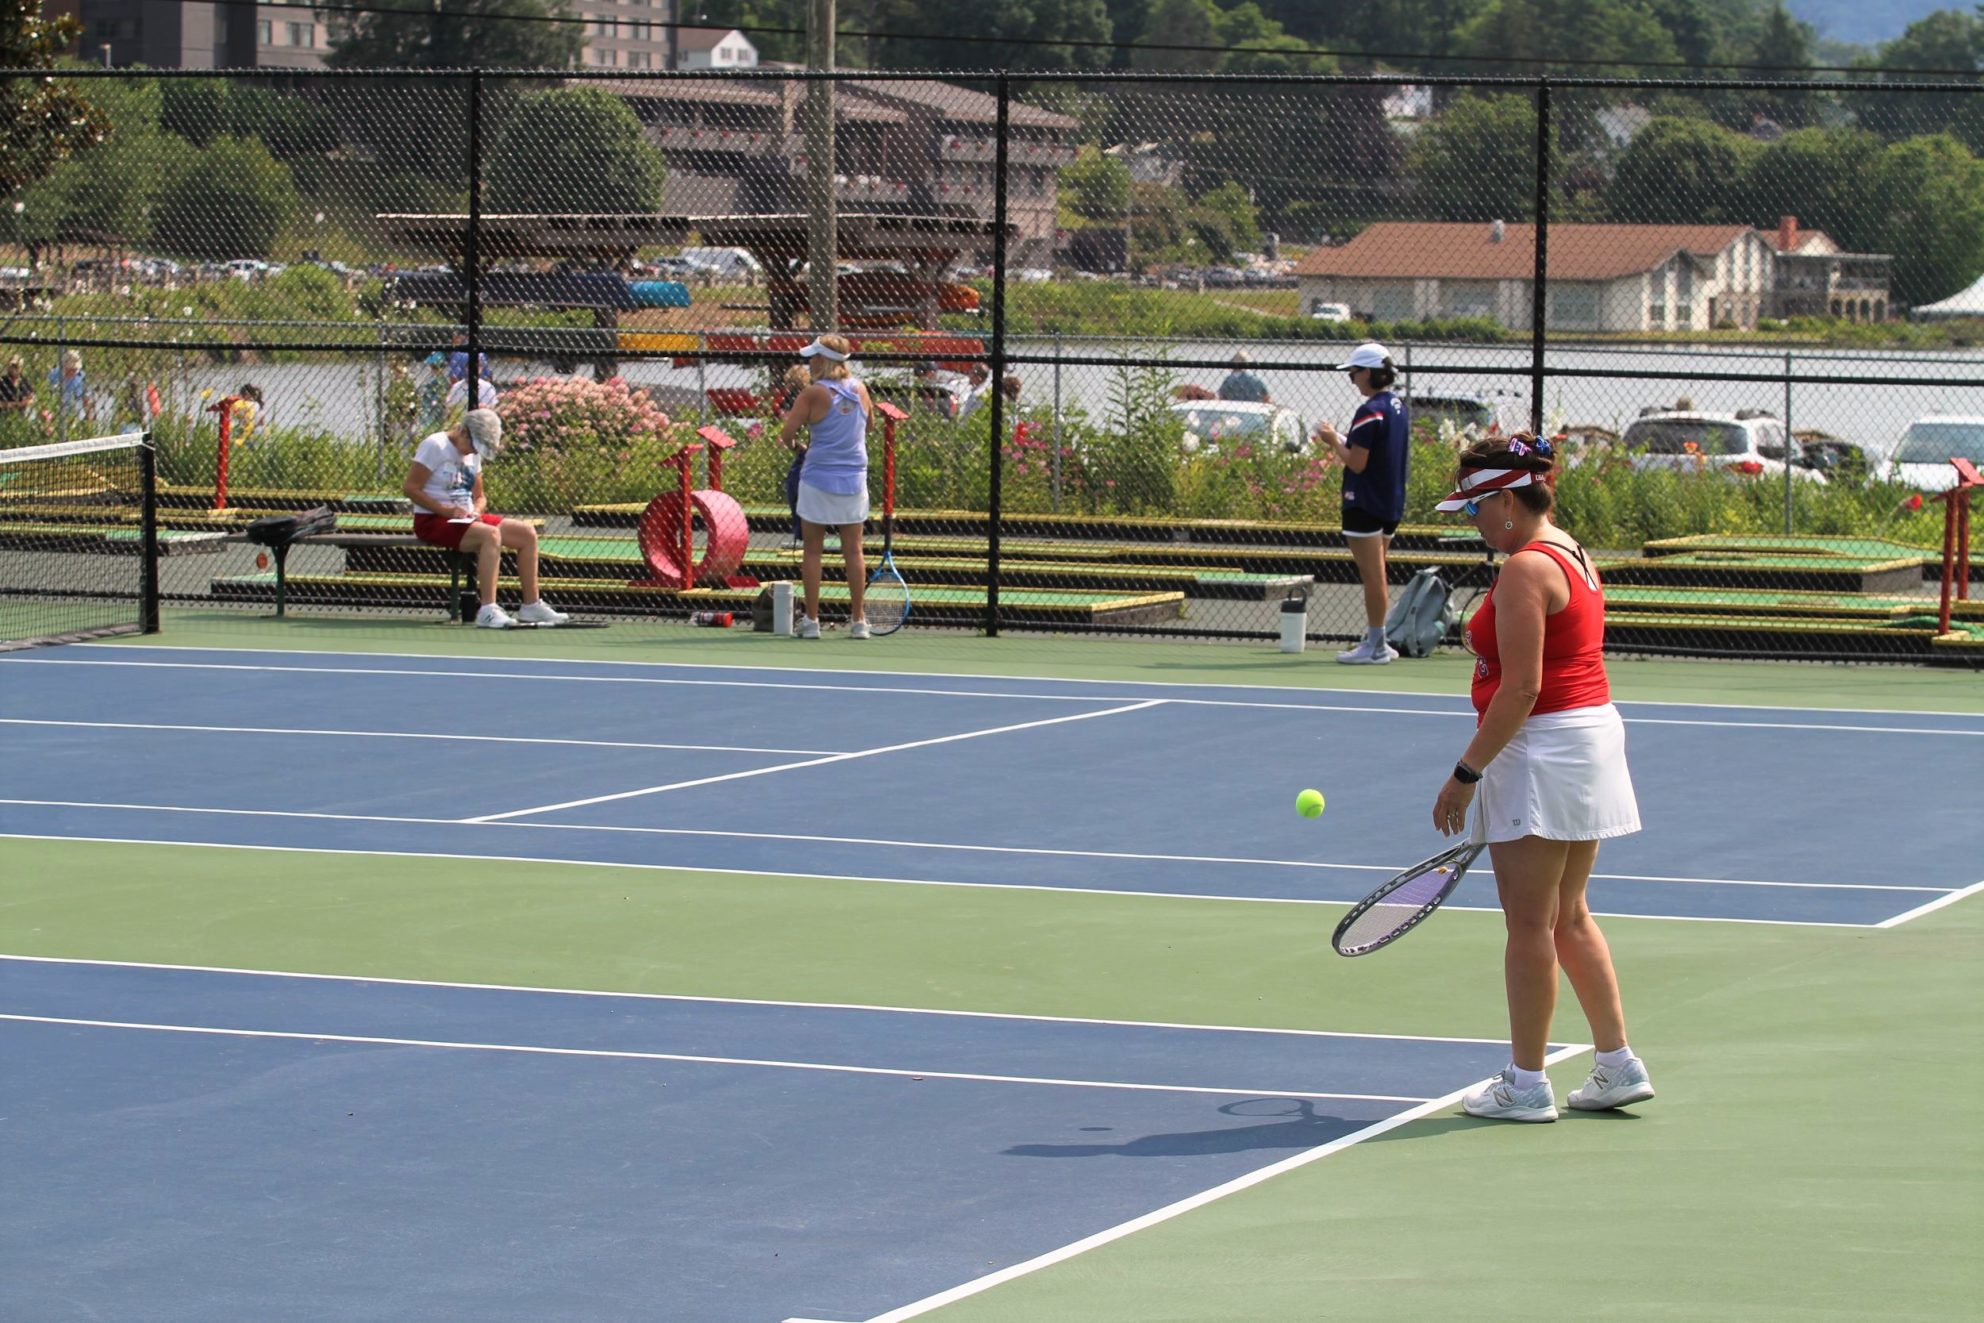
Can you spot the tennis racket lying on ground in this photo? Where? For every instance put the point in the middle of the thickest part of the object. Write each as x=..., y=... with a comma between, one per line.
x=1401, y=904
x=886, y=599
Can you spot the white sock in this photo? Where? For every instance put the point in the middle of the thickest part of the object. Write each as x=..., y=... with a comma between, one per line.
x=1377, y=636
x=1615, y=1059
x=1523, y=1079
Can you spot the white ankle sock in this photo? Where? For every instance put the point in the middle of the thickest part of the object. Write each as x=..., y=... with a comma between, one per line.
x=1616, y=1058
x=1523, y=1079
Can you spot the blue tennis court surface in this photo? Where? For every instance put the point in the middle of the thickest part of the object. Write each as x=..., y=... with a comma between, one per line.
x=1180, y=790
x=208, y=1144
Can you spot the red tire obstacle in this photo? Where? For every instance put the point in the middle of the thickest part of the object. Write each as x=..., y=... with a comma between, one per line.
x=667, y=527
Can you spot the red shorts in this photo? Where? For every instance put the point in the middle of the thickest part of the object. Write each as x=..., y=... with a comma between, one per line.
x=430, y=527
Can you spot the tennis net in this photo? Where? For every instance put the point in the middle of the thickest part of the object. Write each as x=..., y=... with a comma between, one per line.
x=78, y=541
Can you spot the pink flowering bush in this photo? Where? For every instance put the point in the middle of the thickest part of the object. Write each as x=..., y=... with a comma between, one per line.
x=573, y=441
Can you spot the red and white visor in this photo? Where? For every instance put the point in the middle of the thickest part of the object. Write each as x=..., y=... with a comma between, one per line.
x=1477, y=483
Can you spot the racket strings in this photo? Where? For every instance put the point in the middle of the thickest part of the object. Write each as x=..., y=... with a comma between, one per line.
x=1386, y=917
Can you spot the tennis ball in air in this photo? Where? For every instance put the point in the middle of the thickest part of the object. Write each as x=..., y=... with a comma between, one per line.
x=1309, y=803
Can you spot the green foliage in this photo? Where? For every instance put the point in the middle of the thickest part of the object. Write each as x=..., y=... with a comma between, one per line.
x=1682, y=171
x=1096, y=186
x=201, y=109
x=1932, y=191
x=232, y=200
x=42, y=122
x=1563, y=36
x=104, y=192
x=1477, y=162
x=470, y=34
x=573, y=149
x=1231, y=203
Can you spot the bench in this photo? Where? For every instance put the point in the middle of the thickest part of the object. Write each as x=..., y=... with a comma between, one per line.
x=459, y=564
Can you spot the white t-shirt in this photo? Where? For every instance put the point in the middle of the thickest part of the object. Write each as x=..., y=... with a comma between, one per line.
x=451, y=474
x=486, y=396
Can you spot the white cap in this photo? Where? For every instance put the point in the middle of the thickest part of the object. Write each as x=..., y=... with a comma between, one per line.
x=485, y=431
x=824, y=351
x=1370, y=354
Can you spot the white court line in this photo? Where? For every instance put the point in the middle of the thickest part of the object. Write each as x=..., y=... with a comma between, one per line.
x=1281, y=706
x=984, y=675
x=954, y=1294
x=815, y=762
x=1949, y=899
x=1195, y=896
x=813, y=839
x=372, y=1040
x=307, y=976
x=395, y=735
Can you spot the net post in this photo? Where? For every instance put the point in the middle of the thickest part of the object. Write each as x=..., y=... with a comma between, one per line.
x=148, y=612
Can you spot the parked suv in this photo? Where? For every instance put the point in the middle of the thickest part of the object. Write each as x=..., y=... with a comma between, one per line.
x=1749, y=443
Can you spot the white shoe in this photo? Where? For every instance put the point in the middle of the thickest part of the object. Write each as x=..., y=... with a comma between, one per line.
x=809, y=628
x=493, y=617
x=540, y=613
x=1364, y=654
x=1612, y=1086
x=858, y=630
x=1500, y=1100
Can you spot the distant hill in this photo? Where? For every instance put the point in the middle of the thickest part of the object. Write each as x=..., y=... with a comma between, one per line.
x=1866, y=24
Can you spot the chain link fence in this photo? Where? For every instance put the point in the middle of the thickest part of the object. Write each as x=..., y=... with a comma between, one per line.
x=1106, y=314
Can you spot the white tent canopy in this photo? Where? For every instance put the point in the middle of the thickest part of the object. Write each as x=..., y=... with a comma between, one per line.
x=1966, y=303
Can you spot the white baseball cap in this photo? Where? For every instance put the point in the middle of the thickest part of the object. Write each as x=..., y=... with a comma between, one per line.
x=1370, y=354
x=824, y=350
x=485, y=431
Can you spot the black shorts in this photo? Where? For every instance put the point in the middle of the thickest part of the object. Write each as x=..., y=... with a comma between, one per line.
x=1358, y=524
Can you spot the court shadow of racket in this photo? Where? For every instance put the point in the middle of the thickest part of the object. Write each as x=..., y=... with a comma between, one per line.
x=1296, y=1124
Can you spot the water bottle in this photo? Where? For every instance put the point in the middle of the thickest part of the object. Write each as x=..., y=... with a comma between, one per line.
x=1294, y=621
x=720, y=619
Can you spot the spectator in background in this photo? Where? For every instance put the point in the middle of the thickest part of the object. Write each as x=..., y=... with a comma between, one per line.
x=1192, y=391
x=1240, y=384
x=245, y=413
x=430, y=394
x=16, y=391
x=1375, y=455
x=72, y=392
x=934, y=389
x=977, y=390
x=485, y=390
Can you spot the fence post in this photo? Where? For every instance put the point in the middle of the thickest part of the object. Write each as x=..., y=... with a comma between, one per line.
x=1790, y=447
x=1539, y=285
x=471, y=242
x=1054, y=437
x=994, y=494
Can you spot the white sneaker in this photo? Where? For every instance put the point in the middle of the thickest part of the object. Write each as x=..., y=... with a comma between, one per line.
x=493, y=617
x=809, y=628
x=1612, y=1086
x=1366, y=655
x=1500, y=1100
x=858, y=630
x=540, y=613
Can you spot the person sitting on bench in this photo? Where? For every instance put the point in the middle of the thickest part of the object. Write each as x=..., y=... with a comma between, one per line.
x=445, y=484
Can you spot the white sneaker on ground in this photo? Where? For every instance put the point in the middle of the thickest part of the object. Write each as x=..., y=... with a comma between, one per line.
x=1612, y=1086
x=540, y=613
x=493, y=617
x=809, y=628
x=1365, y=654
x=858, y=630
x=1500, y=1100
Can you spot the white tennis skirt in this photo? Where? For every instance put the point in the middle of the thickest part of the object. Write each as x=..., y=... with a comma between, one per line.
x=831, y=508
x=1563, y=777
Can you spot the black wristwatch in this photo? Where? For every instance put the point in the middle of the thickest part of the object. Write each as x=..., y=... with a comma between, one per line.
x=1466, y=775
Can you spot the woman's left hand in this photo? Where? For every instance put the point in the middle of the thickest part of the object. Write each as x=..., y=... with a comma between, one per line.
x=1450, y=807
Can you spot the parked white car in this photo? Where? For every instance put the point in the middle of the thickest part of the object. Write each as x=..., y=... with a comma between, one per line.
x=1210, y=426
x=1330, y=312
x=1746, y=444
x=1922, y=457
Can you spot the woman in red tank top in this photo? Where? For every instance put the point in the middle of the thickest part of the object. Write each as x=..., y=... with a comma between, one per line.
x=1545, y=776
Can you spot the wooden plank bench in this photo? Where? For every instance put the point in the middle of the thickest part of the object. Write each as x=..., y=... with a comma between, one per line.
x=459, y=565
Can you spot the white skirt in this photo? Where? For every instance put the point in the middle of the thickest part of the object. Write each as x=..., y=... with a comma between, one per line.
x=1563, y=777
x=831, y=509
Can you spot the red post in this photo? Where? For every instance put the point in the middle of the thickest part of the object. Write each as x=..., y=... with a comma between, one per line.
x=225, y=408
x=890, y=417
x=1956, y=537
x=718, y=441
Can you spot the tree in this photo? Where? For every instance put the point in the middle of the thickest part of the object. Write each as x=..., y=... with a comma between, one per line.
x=1823, y=177
x=1931, y=194
x=1034, y=35
x=46, y=121
x=1230, y=202
x=573, y=149
x=1682, y=171
x=1096, y=186
x=420, y=126
x=1566, y=36
x=1477, y=162
x=231, y=200
x=104, y=192
x=1783, y=50
x=1940, y=46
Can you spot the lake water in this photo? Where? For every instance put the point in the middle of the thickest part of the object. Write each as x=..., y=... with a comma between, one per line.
x=344, y=396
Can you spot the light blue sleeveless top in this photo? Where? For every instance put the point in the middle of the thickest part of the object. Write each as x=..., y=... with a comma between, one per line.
x=837, y=446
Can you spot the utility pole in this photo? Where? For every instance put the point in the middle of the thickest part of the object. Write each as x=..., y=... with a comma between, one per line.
x=823, y=229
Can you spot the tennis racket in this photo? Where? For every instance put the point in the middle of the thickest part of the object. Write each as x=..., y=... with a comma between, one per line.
x=886, y=599
x=1403, y=903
